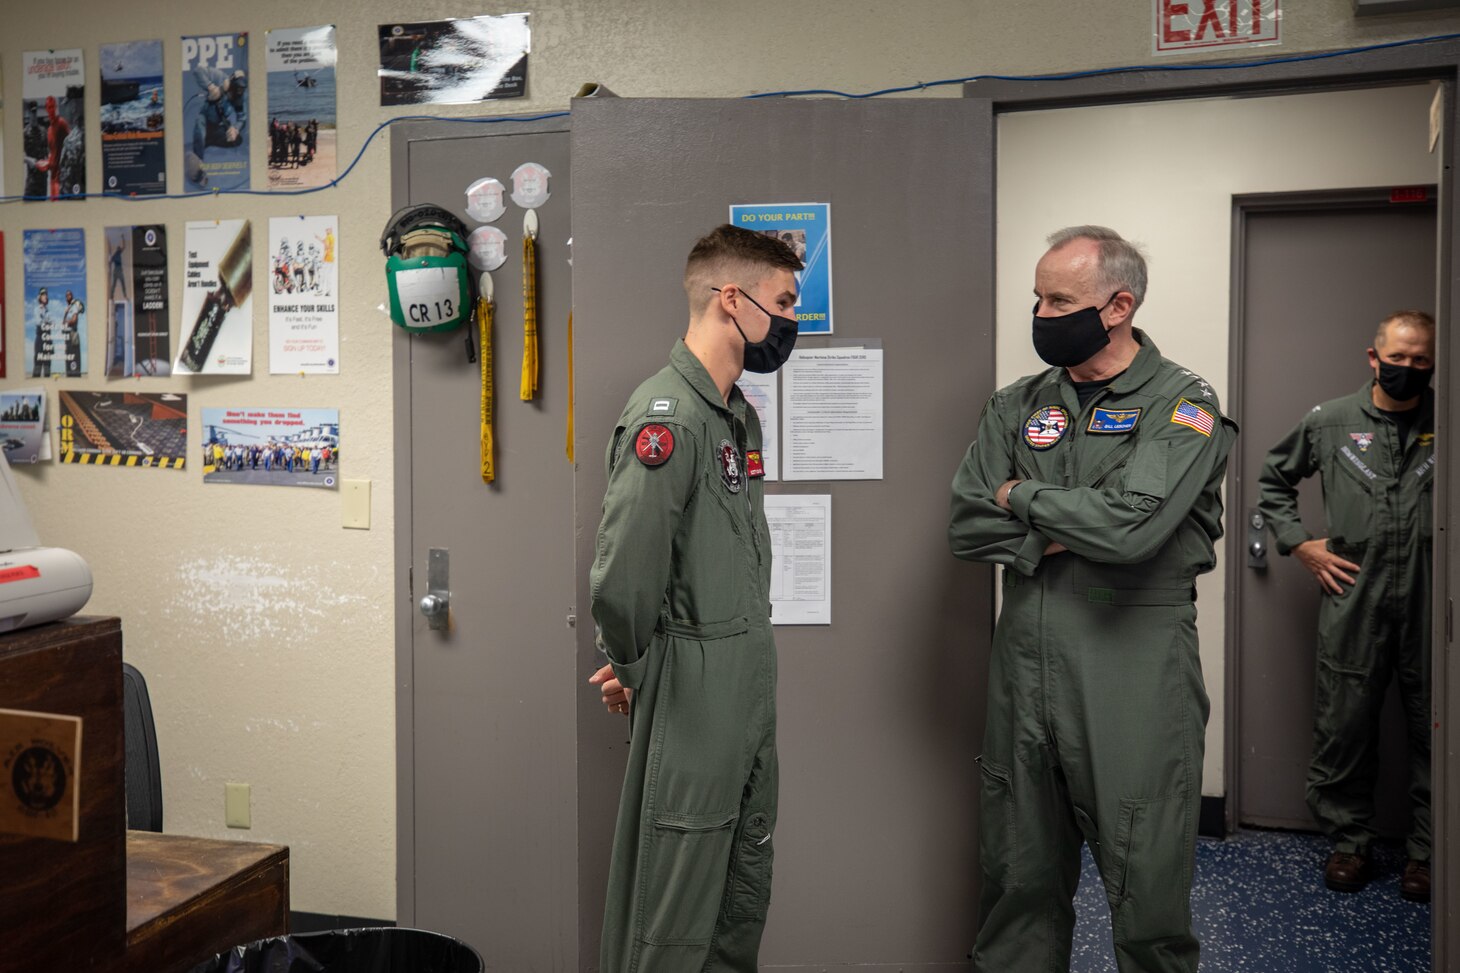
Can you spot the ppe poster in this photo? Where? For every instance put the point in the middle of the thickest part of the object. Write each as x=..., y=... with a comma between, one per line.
x=52, y=96
x=272, y=447
x=215, y=112
x=301, y=88
x=133, y=159
x=806, y=229
x=454, y=62
x=23, y=424
x=216, y=333
x=123, y=428
x=304, y=323
x=54, y=263
x=138, y=333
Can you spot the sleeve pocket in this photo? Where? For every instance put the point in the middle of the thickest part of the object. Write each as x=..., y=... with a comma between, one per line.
x=1146, y=473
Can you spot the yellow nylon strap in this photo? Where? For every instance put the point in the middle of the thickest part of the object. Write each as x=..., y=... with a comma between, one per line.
x=570, y=387
x=529, y=318
x=484, y=326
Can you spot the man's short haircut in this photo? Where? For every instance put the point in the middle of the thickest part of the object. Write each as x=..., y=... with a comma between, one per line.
x=1122, y=266
x=1419, y=320
x=730, y=255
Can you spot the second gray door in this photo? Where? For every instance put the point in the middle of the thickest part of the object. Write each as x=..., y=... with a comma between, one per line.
x=1317, y=279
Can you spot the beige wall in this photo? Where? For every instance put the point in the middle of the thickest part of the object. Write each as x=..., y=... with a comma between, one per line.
x=1164, y=175
x=264, y=628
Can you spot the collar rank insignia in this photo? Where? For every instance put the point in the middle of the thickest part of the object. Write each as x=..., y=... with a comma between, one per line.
x=754, y=467
x=1113, y=420
x=729, y=466
x=1425, y=438
x=1046, y=427
x=654, y=444
x=1363, y=440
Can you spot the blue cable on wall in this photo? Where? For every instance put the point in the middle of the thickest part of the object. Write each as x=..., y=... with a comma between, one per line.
x=901, y=89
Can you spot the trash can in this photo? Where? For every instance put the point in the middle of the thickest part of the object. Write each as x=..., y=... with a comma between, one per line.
x=385, y=949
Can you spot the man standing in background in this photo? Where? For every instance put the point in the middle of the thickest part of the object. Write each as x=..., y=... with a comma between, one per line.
x=1374, y=452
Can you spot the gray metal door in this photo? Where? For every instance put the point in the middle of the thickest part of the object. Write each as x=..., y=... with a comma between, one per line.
x=487, y=831
x=881, y=713
x=1317, y=274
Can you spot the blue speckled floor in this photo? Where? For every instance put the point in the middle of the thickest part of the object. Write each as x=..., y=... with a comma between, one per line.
x=1260, y=906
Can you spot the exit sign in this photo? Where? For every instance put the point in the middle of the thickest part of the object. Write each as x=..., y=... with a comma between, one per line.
x=1203, y=24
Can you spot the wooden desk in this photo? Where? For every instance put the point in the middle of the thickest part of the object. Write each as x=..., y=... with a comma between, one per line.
x=189, y=898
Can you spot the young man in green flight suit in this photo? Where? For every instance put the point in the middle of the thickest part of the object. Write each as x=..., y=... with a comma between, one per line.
x=1096, y=485
x=1374, y=451
x=681, y=598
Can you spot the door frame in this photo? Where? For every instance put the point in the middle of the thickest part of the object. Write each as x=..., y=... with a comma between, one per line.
x=1318, y=72
x=1234, y=552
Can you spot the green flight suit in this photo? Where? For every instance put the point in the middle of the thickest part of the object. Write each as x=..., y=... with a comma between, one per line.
x=1096, y=706
x=1378, y=502
x=681, y=598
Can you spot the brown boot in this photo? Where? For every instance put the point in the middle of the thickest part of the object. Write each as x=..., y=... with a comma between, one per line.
x=1415, y=885
x=1348, y=871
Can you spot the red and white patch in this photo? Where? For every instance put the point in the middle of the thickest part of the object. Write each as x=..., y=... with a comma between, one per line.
x=654, y=444
x=729, y=466
x=1046, y=426
x=753, y=466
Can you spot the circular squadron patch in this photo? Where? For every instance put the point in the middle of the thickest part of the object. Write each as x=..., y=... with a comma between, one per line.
x=729, y=466
x=1046, y=427
x=654, y=444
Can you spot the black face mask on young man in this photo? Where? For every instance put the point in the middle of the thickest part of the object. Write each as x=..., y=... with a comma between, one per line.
x=771, y=352
x=1070, y=339
x=1402, y=383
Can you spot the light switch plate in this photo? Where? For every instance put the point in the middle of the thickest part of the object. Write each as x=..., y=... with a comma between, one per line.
x=355, y=504
x=236, y=812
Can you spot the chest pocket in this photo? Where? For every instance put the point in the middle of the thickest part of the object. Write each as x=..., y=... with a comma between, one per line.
x=1146, y=472
x=1348, y=504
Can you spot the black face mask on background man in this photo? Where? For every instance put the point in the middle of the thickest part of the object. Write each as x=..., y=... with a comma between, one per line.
x=769, y=353
x=1402, y=383
x=1070, y=339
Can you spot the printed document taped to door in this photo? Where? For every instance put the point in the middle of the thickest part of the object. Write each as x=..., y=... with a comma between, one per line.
x=832, y=403
x=800, y=558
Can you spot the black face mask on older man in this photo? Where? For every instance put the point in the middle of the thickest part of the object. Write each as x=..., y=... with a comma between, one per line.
x=1070, y=339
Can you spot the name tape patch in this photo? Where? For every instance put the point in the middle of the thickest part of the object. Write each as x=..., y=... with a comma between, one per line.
x=1113, y=420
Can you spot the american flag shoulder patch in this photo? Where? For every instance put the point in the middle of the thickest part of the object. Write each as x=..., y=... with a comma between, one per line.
x=1193, y=416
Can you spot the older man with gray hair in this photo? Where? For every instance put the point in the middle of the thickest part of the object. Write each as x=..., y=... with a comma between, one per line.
x=1096, y=484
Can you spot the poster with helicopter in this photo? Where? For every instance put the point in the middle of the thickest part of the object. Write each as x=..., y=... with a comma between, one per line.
x=272, y=446
x=301, y=87
x=133, y=157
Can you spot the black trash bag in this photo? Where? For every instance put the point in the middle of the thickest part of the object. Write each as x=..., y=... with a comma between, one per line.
x=386, y=949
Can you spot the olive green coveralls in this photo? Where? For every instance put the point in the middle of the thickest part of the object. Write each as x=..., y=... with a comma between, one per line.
x=1378, y=502
x=681, y=599
x=1096, y=706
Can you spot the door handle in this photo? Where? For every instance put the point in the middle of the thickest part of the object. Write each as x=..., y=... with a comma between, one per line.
x=1256, y=540
x=436, y=605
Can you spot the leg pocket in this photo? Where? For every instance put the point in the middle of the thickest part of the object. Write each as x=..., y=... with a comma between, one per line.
x=688, y=858
x=1150, y=869
x=750, y=872
x=998, y=846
